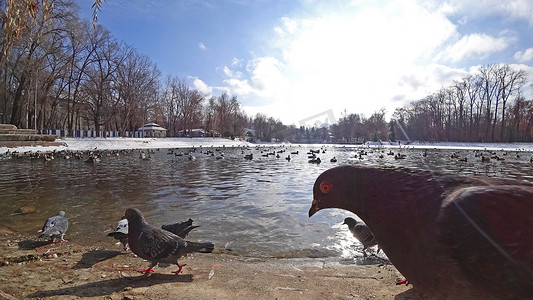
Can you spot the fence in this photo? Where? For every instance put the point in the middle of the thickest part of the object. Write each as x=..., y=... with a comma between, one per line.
x=91, y=133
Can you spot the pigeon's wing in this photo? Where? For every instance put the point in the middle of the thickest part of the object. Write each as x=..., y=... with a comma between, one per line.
x=62, y=224
x=185, y=231
x=50, y=231
x=180, y=229
x=486, y=229
x=171, y=227
x=158, y=244
x=363, y=234
x=48, y=223
x=54, y=223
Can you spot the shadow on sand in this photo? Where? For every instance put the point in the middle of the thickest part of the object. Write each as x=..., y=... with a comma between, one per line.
x=32, y=244
x=95, y=256
x=411, y=294
x=110, y=286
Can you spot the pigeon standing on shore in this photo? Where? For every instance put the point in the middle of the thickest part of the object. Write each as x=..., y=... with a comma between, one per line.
x=362, y=233
x=158, y=245
x=121, y=233
x=55, y=227
x=451, y=237
x=180, y=229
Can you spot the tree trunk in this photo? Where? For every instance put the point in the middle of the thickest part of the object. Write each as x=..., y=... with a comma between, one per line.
x=16, y=112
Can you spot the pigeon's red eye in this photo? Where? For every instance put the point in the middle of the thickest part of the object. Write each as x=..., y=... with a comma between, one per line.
x=325, y=187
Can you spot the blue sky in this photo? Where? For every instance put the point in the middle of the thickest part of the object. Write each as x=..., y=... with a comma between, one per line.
x=295, y=59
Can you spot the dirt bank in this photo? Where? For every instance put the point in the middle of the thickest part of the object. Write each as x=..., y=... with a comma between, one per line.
x=36, y=269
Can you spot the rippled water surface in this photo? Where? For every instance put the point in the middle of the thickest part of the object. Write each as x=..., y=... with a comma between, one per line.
x=255, y=208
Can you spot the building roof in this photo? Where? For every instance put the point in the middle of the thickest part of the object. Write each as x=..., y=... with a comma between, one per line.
x=151, y=126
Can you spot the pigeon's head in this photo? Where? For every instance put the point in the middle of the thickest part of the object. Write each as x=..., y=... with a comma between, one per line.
x=134, y=215
x=61, y=213
x=338, y=188
x=351, y=222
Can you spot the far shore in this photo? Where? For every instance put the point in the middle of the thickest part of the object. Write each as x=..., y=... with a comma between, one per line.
x=83, y=144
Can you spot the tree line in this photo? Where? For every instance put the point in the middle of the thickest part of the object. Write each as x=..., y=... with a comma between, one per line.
x=64, y=73
x=486, y=107
x=59, y=71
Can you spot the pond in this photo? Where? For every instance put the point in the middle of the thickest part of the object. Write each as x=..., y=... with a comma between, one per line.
x=255, y=207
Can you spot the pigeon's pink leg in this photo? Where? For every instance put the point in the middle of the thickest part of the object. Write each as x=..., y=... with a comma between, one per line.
x=146, y=271
x=179, y=270
x=64, y=241
x=150, y=269
x=402, y=281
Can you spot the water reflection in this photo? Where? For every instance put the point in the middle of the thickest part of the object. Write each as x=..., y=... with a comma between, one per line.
x=256, y=208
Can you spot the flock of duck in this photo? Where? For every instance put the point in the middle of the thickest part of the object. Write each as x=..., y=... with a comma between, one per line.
x=263, y=152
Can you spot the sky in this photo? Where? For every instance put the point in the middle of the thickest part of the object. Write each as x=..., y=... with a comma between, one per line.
x=306, y=62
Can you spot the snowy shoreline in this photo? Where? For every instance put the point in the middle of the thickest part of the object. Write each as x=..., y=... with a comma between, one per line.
x=82, y=144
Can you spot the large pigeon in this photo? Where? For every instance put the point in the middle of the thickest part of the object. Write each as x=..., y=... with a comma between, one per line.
x=121, y=232
x=55, y=227
x=158, y=245
x=451, y=237
x=362, y=233
x=180, y=229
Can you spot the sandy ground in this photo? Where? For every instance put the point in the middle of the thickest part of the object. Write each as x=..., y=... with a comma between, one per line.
x=32, y=268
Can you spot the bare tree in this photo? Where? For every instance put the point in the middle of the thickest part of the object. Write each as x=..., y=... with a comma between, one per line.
x=137, y=82
x=99, y=89
x=509, y=83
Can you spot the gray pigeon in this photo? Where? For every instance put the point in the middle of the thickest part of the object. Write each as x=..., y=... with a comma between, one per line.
x=158, y=245
x=180, y=229
x=55, y=227
x=361, y=232
x=121, y=233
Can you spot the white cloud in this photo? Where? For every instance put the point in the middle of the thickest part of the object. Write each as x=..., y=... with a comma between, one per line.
x=201, y=86
x=228, y=72
x=236, y=62
x=288, y=26
x=509, y=9
x=265, y=78
x=525, y=56
x=351, y=61
x=522, y=9
x=361, y=57
x=474, y=45
x=201, y=46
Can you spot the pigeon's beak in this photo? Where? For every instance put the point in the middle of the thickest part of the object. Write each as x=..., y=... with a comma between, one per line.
x=314, y=208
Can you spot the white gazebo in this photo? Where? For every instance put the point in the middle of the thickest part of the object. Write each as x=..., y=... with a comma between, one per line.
x=153, y=130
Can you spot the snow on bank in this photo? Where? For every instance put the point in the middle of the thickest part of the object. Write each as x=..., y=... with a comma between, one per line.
x=474, y=146
x=81, y=144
